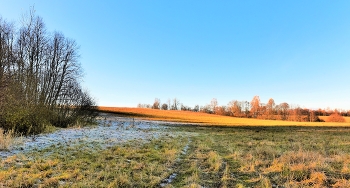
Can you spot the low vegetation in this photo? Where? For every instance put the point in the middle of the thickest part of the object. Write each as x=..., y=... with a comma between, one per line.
x=269, y=157
x=129, y=165
x=326, y=119
x=208, y=119
x=212, y=157
x=335, y=118
x=6, y=139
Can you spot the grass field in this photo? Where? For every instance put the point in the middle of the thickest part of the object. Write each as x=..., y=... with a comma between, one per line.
x=210, y=157
x=208, y=119
x=128, y=165
x=248, y=155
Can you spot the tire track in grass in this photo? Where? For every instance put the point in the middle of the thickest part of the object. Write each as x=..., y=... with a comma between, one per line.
x=203, y=166
x=167, y=181
x=212, y=168
x=188, y=166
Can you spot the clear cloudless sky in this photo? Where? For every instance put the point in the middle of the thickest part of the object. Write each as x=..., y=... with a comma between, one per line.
x=132, y=52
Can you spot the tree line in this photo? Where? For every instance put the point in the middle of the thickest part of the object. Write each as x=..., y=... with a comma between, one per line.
x=40, y=78
x=254, y=109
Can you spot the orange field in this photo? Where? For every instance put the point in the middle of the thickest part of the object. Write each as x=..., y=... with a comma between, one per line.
x=207, y=119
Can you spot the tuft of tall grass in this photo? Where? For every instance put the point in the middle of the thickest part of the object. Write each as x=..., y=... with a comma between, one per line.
x=6, y=139
x=214, y=161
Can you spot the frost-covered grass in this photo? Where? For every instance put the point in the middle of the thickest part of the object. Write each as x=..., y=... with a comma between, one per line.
x=128, y=165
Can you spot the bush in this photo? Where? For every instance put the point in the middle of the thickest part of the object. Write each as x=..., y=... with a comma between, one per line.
x=315, y=118
x=335, y=118
x=25, y=120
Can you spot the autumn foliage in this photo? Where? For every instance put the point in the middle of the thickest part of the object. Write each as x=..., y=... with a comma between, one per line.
x=256, y=110
x=335, y=117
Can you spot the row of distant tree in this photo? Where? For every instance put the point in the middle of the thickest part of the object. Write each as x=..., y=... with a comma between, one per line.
x=39, y=78
x=253, y=109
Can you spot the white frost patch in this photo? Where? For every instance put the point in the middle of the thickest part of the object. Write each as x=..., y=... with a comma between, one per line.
x=111, y=130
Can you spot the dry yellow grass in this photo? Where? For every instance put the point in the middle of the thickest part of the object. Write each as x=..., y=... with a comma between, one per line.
x=6, y=139
x=208, y=119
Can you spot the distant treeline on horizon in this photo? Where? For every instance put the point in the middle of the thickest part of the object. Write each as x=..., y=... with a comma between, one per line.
x=254, y=109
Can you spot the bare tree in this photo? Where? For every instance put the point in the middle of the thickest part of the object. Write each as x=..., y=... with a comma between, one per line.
x=7, y=57
x=169, y=104
x=31, y=51
x=295, y=113
x=196, y=108
x=213, y=105
x=156, y=104
x=255, y=106
x=235, y=108
x=41, y=74
x=313, y=117
x=221, y=110
x=206, y=109
x=284, y=109
x=185, y=108
x=176, y=104
x=246, y=107
x=270, y=109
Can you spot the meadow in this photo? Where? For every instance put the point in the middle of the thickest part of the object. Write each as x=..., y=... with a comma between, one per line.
x=191, y=156
x=205, y=156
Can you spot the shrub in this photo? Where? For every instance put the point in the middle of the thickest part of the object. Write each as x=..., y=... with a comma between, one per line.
x=335, y=118
x=316, y=119
x=25, y=120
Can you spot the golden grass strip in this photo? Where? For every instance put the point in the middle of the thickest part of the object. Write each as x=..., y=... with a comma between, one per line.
x=208, y=119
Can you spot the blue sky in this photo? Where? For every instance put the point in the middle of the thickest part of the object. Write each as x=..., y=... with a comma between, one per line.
x=135, y=51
